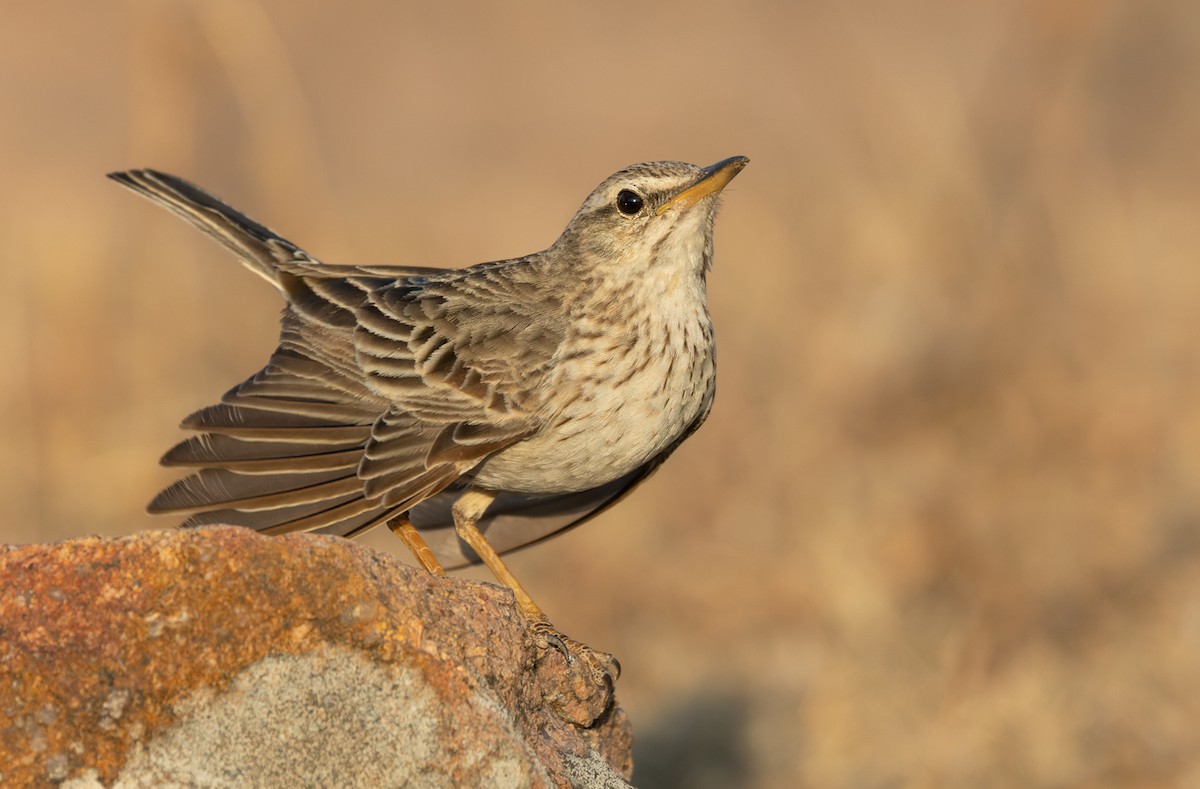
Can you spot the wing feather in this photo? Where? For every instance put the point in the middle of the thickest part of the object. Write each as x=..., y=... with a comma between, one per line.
x=215, y=449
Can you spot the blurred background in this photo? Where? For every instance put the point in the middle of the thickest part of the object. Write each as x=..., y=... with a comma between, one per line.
x=943, y=526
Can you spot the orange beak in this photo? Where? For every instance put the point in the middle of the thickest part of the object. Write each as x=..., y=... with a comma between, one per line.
x=713, y=180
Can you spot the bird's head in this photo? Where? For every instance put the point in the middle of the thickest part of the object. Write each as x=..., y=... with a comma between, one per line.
x=650, y=216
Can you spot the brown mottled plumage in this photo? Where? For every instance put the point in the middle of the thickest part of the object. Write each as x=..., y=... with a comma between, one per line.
x=544, y=387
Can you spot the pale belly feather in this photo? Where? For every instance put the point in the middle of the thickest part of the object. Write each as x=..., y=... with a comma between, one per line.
x=618, y=422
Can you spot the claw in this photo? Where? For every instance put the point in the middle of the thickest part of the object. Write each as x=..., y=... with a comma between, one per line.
x=554, y=639
x=586, y=697
x=573, y=651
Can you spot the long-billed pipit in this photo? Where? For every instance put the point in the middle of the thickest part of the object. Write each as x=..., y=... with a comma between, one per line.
x=516, y=398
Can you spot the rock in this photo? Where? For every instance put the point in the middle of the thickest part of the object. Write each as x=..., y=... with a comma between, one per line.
x=218, y=657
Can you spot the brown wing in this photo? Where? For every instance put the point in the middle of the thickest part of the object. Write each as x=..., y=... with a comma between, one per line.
x=373, y=401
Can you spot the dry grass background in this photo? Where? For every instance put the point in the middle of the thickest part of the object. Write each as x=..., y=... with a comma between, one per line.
x=943, y=527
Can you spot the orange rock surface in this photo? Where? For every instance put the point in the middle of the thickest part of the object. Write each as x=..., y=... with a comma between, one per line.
x=125, y=658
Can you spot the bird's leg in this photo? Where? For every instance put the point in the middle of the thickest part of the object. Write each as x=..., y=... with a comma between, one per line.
x=601, y=668
x=402, y=527
x=467, y=510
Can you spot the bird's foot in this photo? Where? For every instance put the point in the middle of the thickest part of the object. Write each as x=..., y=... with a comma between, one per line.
x=582, y=693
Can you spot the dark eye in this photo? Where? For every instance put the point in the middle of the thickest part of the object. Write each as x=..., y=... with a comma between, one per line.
x=629, y=202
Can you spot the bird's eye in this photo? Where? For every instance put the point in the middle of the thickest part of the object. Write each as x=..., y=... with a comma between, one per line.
x=629, y=202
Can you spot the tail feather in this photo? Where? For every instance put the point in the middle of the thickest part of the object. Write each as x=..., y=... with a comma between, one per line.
x=260, y=248
x=282, y=450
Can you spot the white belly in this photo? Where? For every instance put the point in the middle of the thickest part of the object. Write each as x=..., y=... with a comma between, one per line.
x=620, y=419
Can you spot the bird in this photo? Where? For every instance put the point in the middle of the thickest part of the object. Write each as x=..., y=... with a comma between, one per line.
x=472, y=410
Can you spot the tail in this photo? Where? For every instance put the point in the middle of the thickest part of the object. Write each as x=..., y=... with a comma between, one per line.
x=281, y=451
x=263, y=251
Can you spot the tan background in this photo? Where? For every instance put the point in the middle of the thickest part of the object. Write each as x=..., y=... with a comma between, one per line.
x=943, y=527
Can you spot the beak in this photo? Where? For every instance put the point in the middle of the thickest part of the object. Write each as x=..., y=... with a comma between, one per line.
x=713, y=180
